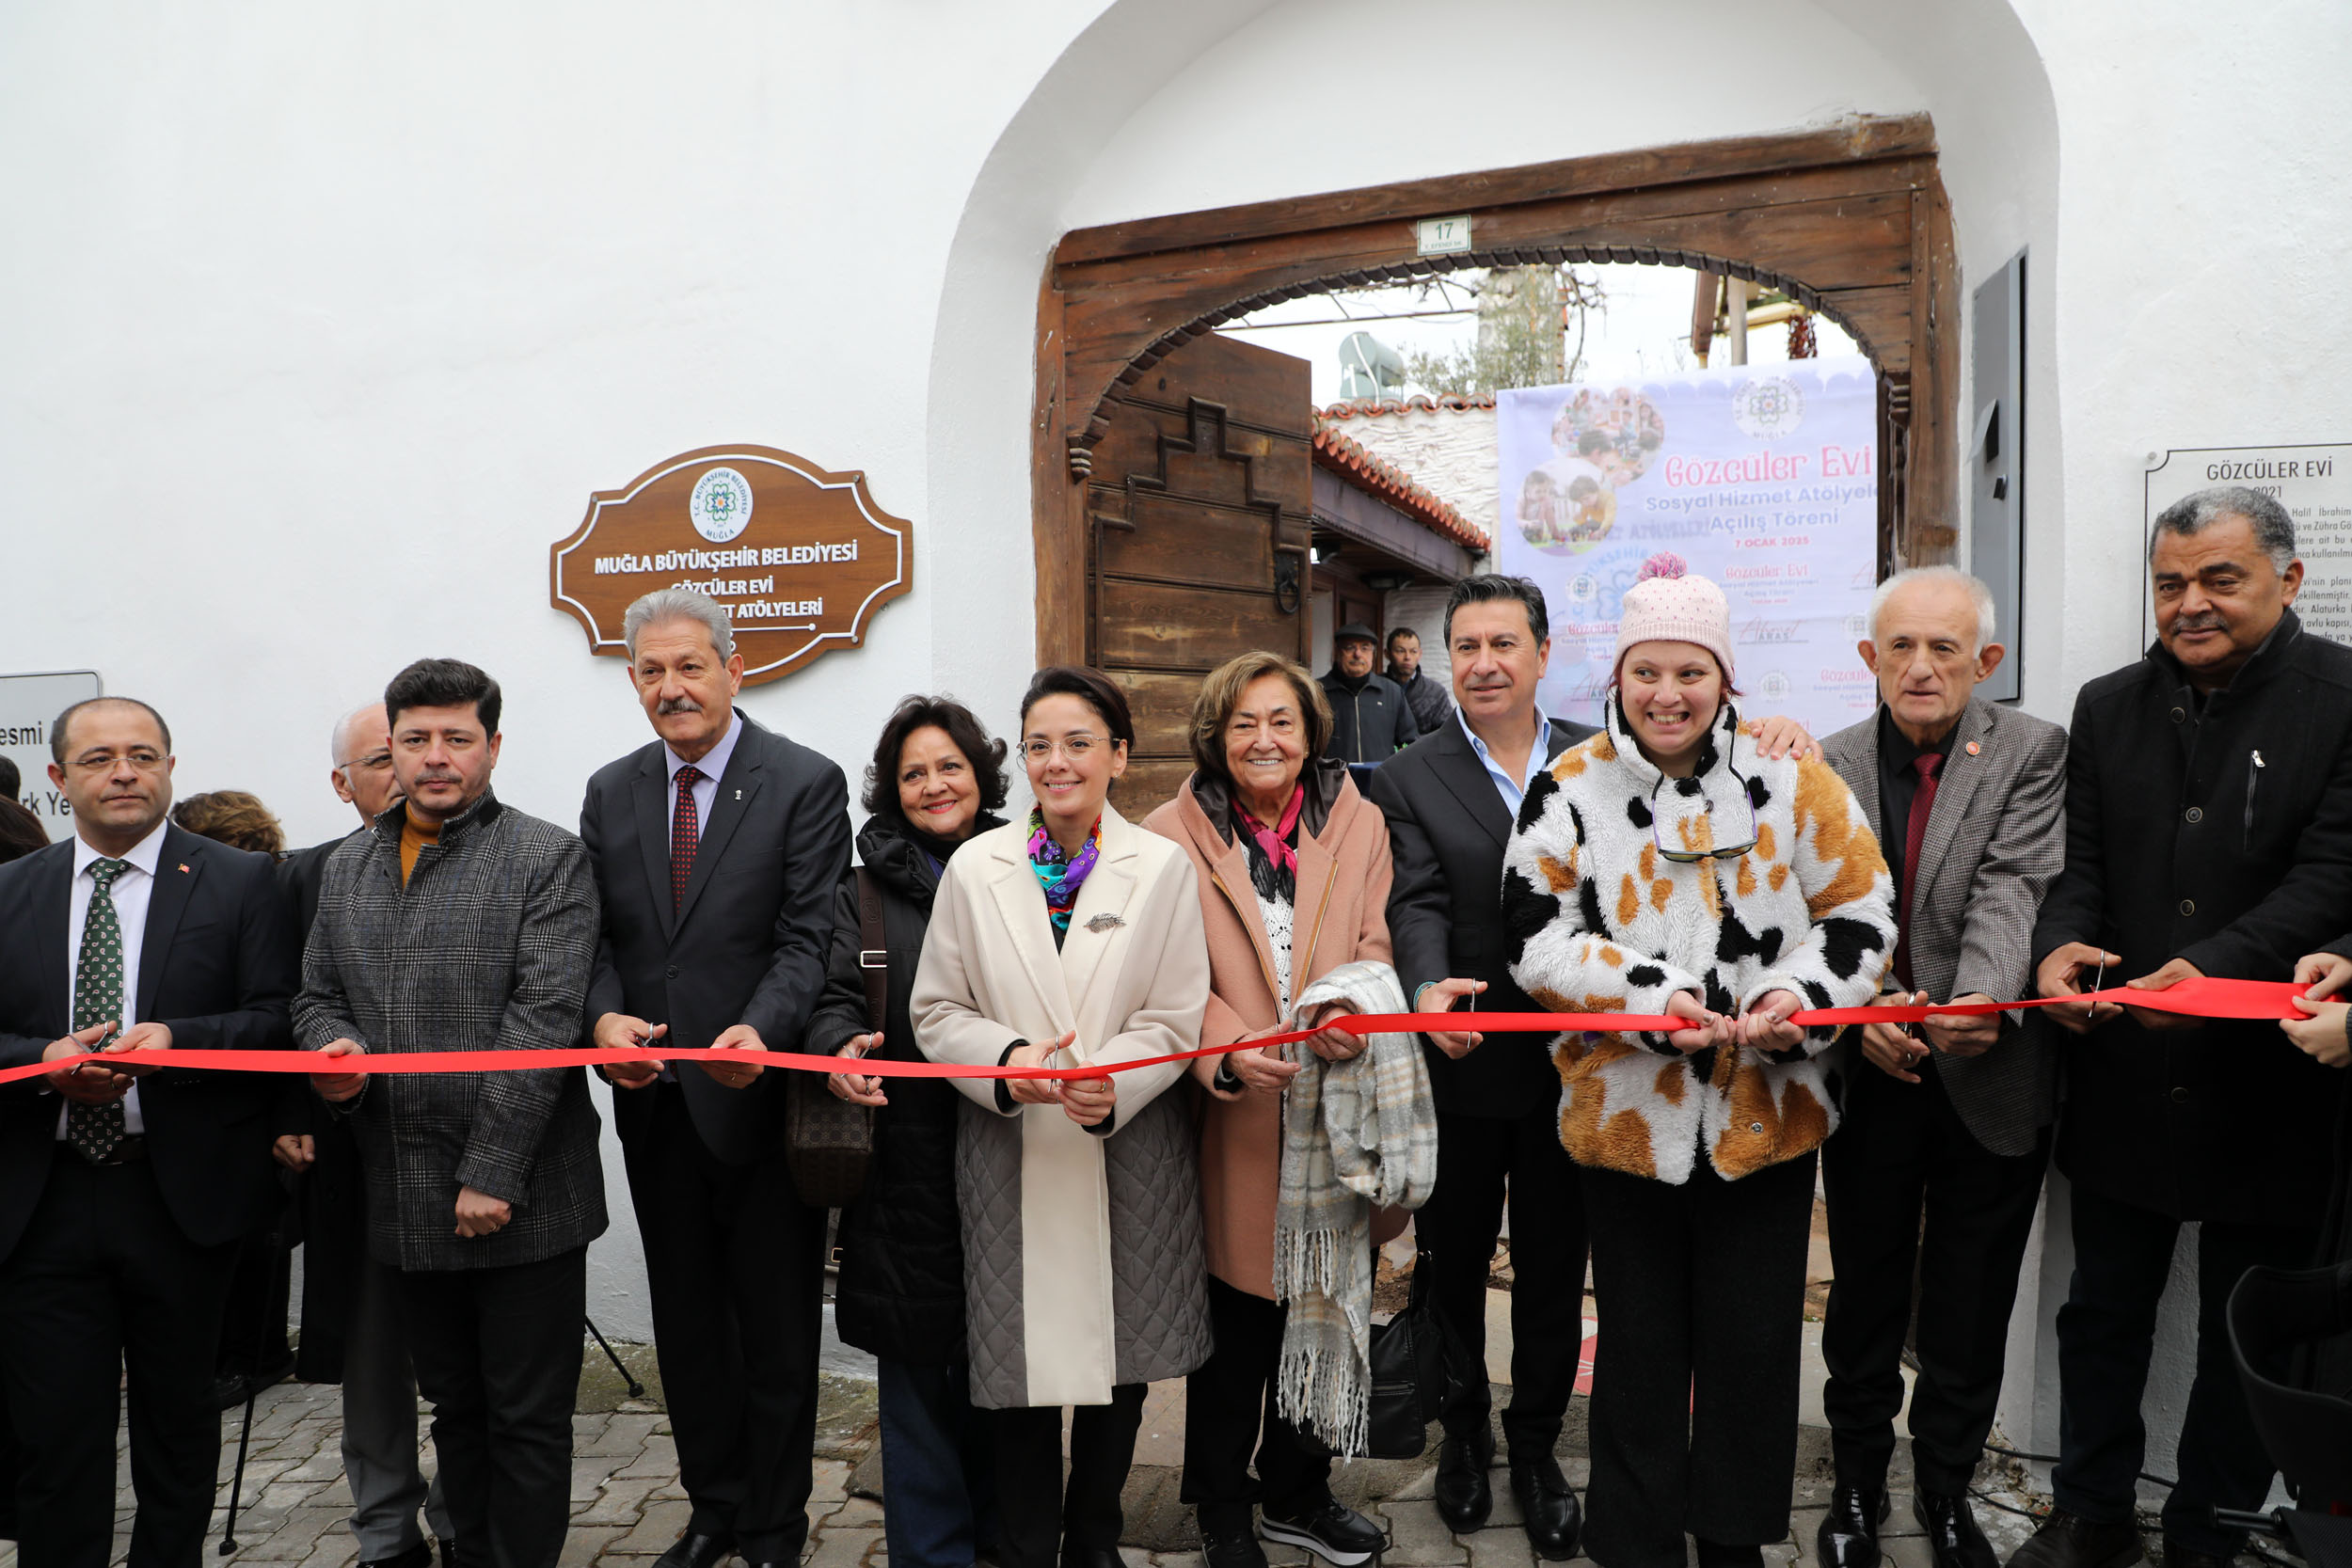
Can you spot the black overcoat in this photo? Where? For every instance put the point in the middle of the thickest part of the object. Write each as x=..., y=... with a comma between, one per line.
x=900, y=1292
x=2222, y=835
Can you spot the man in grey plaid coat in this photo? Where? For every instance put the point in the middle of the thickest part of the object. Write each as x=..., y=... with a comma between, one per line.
x=460, y=923
x=1947, y=1121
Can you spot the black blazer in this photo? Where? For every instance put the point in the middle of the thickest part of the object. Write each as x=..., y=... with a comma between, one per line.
x=749, y=944
x=1447, y=829
x=2223, y=837
x=215, y=967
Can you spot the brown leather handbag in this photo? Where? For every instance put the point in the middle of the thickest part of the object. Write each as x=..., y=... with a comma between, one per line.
x=829, y=1143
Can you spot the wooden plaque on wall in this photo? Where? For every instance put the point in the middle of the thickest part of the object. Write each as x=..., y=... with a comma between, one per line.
x=801, y=557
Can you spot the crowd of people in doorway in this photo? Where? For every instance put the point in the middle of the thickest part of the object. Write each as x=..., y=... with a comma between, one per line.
x=1413, y=843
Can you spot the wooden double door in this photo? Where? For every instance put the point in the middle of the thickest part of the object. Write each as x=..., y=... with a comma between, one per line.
x=1198, y=514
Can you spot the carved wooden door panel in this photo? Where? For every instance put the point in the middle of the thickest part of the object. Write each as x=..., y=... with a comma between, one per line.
x=1197, y=515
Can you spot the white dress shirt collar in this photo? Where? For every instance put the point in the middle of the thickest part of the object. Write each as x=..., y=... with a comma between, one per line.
x=1512, y=790
x=145, y=854
x=714, y=762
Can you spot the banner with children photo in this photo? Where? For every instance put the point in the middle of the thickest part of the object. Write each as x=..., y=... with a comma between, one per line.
x=1763, y=478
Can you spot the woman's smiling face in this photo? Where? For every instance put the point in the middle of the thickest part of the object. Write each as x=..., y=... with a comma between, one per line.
x=937, y=789
x=1071, y=758
x=1671, y=692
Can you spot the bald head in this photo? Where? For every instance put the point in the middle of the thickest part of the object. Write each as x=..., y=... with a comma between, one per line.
x=362, y=756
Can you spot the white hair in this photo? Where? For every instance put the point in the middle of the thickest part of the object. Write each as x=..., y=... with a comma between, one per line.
x=336, y=741
x=680, y=604
x=1978, y=593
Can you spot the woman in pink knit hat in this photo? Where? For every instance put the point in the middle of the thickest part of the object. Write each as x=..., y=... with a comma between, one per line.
x=1666, y=867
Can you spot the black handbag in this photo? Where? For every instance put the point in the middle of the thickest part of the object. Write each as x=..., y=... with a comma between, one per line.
x=1417, y=1363
x=829, y=1143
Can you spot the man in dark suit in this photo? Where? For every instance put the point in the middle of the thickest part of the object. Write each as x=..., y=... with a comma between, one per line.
x=1936, y=1169
x=2209, y=832
x=1451, y=798
x=123, y=1195
x=351, y=1330
x=717, y=848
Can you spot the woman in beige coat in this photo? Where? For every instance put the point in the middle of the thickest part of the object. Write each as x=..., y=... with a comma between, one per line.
x=1293, y=869
x=1072, y=939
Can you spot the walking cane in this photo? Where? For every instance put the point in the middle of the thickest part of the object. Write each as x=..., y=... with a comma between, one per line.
x=244, y=1440
x=635, y=1389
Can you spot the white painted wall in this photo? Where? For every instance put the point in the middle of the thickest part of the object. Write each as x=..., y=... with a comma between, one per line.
x=317, y=326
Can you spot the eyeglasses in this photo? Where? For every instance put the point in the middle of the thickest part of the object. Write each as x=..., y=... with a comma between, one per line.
x=375, y=762
x=145, y=761
x=1721, y=852
x=1077, y=748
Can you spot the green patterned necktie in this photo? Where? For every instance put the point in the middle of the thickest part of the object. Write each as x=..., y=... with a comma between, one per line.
x=94, y=1130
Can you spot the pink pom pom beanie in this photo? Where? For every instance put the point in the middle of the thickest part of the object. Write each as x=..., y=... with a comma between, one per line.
x=1668, y=605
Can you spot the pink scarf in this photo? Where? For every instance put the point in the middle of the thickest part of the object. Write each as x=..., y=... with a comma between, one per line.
x=1275, y=841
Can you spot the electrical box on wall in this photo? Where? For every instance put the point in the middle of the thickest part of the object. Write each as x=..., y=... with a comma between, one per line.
x=1996, y=464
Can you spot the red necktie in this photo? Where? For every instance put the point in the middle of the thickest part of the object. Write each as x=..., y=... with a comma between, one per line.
x=685, y=836
x=1914, y=836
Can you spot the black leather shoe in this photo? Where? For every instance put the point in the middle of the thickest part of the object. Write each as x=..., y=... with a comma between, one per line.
x=418, y=1556
x=696, y=1552
x=1239, y=1550
x=1465, y=1495
x=1953, y=1534
x=1548, y=1507
x=1849, y=1536
x=2070, y=1541
x=1090, y=1557
x=1334, y=1532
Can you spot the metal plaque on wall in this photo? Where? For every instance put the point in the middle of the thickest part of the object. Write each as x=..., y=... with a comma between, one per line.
x=801, y=557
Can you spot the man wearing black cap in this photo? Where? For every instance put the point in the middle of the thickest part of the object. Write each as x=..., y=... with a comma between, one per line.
x=1370, y=720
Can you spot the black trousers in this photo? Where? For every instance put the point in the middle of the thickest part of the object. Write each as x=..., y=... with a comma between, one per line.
x=1229, y=1410
x=1034, y=1512
x=1910, y=1187
x=104, y=1282
x=497, y=1352
x=2105, y=1331
x=1701, y=1292
x=735, y=1264
x=1480, y=1158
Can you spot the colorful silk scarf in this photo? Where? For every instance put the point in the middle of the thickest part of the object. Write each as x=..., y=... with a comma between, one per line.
x=1062, y=875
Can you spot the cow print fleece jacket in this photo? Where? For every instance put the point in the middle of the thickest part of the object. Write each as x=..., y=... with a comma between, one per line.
x=1600, y=921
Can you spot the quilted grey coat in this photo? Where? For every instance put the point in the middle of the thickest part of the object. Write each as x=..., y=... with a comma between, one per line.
x=1082, y=1266
x=487, y=947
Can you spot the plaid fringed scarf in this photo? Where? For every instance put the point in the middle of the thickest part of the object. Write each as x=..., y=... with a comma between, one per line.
x=1353, y=1134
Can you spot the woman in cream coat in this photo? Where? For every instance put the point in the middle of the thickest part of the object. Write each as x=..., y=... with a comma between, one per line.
x=1072, y=938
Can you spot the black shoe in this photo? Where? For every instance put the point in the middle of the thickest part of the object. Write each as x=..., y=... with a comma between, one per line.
x=1465, y=1495
x=2070, y=1541
x=1090, y=1557
x=1849, y=1536
x=1548, y=1507
x=1239, y=1550
x=696, y=1552
x=1953, y=1534
x=1334, y=1532
x=1725, y=1554
x=418, y=1556
x=2177, y=1556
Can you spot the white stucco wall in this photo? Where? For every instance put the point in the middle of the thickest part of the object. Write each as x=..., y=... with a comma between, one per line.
x=318, y=326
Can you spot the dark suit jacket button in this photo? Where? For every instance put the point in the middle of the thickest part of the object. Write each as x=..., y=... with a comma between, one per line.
x=2180, y=1096
x=2188, y=906
x=2196, y=814
x=673, y=975
x=2179, y=714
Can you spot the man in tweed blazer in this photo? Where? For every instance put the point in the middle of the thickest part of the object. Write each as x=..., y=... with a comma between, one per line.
x=459, y=923
x=1950, y=1117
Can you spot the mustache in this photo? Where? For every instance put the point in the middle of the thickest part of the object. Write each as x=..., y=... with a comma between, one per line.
x=438, y=775
x=677, y=705
x=2207, y=622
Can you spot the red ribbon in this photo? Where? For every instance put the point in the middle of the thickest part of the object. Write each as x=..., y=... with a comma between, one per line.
x=2199, y=997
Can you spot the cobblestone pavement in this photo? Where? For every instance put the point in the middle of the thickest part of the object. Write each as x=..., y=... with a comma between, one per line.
x=627, y=1506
